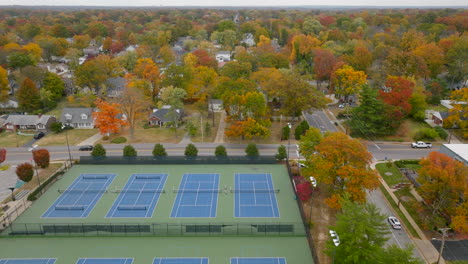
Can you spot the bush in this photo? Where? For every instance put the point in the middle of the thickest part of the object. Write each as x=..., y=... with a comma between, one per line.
x=105, y=138
x=159, y=151
x=2, y=155
x=285, y=133
x=56, y=127
x=25, y=172
x=191, y=151
x=129, y=151
x=251, y=150
x=442, y=133
x=401, y=163
x=98, y=151
x=425, y=134
x=146, y=126
x=119, y=140
x=281, y=155
x=301, y=130
x=41, y=157
x=220, y=151
x=191, y=129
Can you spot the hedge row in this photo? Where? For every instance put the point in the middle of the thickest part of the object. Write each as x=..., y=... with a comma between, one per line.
x=32, y=195
x=401, y=163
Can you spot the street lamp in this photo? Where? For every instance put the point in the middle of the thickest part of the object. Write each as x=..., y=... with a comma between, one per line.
x=313, y=182
x=441, y=250
x=289, y=141
x=32, y=149
x=336, y=242
x=12, y=196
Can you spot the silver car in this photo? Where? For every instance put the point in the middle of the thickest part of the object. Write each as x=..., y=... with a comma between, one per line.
x=394, y=222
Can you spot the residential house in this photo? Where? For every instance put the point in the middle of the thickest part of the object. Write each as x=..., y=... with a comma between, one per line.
x=248, y=40
x=160, y=117
x=29, y=122
x=91, y=51
x=115, y=86
x=215, y=105
x=438, y=117
x=9, y=104
x=81, y=118
x=223, y=56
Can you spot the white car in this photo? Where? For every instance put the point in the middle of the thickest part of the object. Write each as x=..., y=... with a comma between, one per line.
x=313, y=181
x=336, y=239
x=394, y=222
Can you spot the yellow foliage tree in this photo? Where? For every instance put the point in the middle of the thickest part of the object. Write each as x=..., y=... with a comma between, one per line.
x=348, y=81
x=459, y=113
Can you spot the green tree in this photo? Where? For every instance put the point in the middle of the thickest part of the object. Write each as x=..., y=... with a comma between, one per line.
x=285, y=132
x=418, y=106
x=395, y=254
x=281, y=155
x=129, y=151
x=18, y=60
x=308, y=141
x=301, y=129
x=251, y=150
x=311, y=26
x=220, y=151
x=191, y=129
x=98, y=151
x=56, y=127
x=54, y=84
x=28, y=96
x=191, y=151
x=159, y=151
x=4, y=89
x=362, y=231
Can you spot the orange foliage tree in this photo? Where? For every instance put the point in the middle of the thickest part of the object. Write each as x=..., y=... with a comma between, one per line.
x=444, y=187
x=399, y=94
x=41, y=157
x=108, y=119
x=342, y=163
x=248, y=129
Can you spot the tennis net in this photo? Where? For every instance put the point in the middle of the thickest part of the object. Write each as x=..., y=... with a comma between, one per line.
x=82, y=191
x=139, y=191
x=255, y=190
x=198, y=190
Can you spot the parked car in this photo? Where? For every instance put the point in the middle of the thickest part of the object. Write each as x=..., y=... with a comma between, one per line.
x=394, y=222
x=86, y=148
x=421, y=144
x=39, y=135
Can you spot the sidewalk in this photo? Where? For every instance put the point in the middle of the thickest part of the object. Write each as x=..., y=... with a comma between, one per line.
x=91, y=140
x=424, y=246
x=222, y=125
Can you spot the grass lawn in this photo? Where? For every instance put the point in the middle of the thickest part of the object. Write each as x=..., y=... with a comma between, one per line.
x=407, y=131
x=75, y=136
x=43, y=175
x=439, y=108
x=391, y=179
x=457, y=262
x=149, y=135
x=214, y=129
x=11, y=140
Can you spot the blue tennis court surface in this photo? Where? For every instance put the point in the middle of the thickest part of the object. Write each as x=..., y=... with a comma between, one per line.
x=258, y=261
x=139, y=196
x=27, y=261
x=105, y=261
x=180, y=261
x=255, y=196
x=81, y=197
x=197, y=196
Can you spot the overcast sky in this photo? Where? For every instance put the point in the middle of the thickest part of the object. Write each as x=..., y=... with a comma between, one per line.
x=413, y=3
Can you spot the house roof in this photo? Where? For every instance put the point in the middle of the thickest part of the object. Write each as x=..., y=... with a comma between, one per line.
x=27, y=120
x=161, y=114
x=115, y=84
x=76, y=115
x=223, y=52
x=215, y=101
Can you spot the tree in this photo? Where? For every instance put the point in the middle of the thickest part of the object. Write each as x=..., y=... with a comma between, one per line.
x=191, y=151
x=146, y=69
x=177, y=76
x=19, y=60
x=301, y=129
x=348, y=81
x=25, y=172
x=285, y=132
x=4, y=89
x=343, y=164
x=362, y=231
x=135, y=106
x=459, y=113
x=28, y=96
x=108, y=119
x=444, y=188
x=41, y=158
x=173, y=96
x=324, y=64
x=129, y=151
x=56, y=127
x=98, y=151
x=159, y=151
x=54, y=84
x=3, y=153
x=395, y=254
x=236, y=70
x=220, y=151
x=418, y=106
x=249, y=129
x=304, y=190
x=308, y=141
x=281, y=155
x=251, y=150
x=399, y=94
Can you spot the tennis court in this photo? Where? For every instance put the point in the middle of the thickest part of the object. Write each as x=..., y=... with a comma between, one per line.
x=81, y=196
x=180, y=261
x=105, y=261
x=255, y=195
x=140, y=196
x=27, y=261
x=258, y=261
x=197, y=196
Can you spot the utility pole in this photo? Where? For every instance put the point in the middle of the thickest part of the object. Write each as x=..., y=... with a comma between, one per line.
x=444, y=233
x=201, y=126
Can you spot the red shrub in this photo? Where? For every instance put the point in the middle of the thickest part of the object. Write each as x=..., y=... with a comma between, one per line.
x=41, y=157
x=25, y=172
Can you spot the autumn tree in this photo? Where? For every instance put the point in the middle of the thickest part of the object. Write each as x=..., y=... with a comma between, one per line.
x=248, y=129
x=135, y=106
x=459, y=113
x=324, y=64
x=109, y=117
x=304, y=191
x=444, y=188
x=146, y=69
x=342, y=163
x=3, y=153
x=4, y=89
x=41, y=158
x=25, y=172
x=28, y=96
x=348, y=81
x=398, y=94
x=433, y=55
